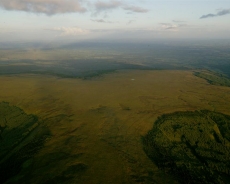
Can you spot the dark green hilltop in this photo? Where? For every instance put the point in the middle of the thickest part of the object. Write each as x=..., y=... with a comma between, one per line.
x=192, y=146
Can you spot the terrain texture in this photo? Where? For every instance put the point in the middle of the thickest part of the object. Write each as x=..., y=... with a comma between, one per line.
x=90, y=131
x=21, y=137
x=193, y=146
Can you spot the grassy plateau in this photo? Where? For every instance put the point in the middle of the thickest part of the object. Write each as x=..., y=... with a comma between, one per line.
x=92, y=131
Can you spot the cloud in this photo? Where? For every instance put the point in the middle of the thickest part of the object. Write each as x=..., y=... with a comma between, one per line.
x=103, y=6
x=223, y=12
x=207, y=16
x=169, y=26
x=179, y=21
x=130, y=22
x=101, y=21
x=219, y=13
x=136, y=9
x=48, y=7
x=70, y=31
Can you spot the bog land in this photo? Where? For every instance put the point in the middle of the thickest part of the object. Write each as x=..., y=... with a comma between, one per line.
x=92, y=131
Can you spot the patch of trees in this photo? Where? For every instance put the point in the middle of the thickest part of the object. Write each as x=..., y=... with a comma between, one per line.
x=214, y=78
x=192, y=146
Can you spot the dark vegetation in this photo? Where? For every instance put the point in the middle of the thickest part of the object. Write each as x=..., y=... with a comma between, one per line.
x=210, y=55
x=96, y=59
x=22, y=136
x=83, y=69
x=214, y=78
x=70, y=173
x=192, y=146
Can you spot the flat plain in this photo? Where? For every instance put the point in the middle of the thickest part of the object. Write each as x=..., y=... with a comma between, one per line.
x=97, y=125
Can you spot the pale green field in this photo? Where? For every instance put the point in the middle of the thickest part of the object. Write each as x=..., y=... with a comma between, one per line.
x=98, y=123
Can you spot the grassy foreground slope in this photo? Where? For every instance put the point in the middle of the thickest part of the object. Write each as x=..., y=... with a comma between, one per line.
x=193, y=146
x=21, y=137
x=96, y=125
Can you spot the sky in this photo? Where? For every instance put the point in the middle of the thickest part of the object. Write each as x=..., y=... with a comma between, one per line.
x=113, y=20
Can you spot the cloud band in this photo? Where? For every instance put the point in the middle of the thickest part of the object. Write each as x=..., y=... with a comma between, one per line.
x=49, y=7
x=219, y=13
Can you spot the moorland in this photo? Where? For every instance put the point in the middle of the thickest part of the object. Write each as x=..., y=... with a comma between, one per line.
x=99, y=120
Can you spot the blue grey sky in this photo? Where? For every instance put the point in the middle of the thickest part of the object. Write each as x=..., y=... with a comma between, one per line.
x=47, y=20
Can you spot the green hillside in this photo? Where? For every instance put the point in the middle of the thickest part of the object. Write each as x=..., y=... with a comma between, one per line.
x=21, y=137
x=193, y=146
